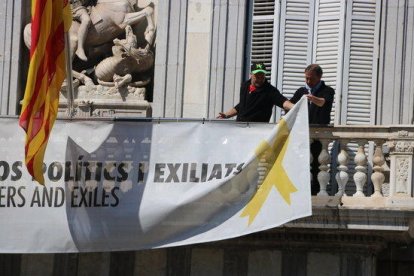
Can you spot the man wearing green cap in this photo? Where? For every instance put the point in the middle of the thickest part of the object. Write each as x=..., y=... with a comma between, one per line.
x=257, y=98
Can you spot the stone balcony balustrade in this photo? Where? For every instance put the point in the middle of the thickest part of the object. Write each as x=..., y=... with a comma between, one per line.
x=366, y=182
x=382, y=157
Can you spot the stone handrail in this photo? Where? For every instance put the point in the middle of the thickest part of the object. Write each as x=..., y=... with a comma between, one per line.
x=380, y=165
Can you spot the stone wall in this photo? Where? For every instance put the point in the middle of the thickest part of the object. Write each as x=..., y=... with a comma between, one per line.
x=275, y=252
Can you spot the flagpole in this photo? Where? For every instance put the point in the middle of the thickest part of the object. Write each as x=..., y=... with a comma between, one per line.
x=69, y=77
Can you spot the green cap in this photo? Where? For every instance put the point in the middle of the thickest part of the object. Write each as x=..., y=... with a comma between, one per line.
x=258, y=67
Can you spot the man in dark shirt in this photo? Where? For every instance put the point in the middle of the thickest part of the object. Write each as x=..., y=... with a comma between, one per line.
x=320, y=98
x=257, y=98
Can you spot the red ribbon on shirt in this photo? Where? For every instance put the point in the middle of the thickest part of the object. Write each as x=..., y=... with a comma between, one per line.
x=252, y=88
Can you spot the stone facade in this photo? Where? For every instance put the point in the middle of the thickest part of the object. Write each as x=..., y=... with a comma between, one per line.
x=197, y=71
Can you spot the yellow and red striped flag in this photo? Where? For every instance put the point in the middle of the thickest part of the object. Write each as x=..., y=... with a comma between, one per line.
x=50, y=19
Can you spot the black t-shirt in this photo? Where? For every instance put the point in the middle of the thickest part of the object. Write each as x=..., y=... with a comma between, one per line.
x=318, y=115
x=257, y=106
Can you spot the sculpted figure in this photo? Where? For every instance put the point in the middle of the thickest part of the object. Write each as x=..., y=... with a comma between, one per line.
x=80, y=13
x=127, y=44
x=127, y=61
x=108, y=21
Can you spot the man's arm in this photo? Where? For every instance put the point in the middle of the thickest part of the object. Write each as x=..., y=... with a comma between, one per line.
x=298, y=95
x=225, y=115
x=316, y=100
x=281, y=101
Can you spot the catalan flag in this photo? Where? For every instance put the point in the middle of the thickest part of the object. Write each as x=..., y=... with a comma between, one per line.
x=50, y=19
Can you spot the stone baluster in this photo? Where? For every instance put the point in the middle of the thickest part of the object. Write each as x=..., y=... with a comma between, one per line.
x=342, y=174
x=360, y=176
x=323, y=176
x=310, y=159
x=378, y=177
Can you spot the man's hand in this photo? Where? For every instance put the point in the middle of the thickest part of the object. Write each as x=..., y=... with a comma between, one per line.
x=225, y=115
x=222, y=115
x=288, y=105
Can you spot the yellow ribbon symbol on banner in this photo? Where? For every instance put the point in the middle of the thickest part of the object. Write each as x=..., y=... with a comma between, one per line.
x=276, y=176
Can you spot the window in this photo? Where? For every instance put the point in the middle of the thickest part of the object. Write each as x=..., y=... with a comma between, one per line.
x=341, y=36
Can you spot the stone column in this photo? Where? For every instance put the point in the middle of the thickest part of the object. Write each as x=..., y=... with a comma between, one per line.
x=196, y=75
x=13, y=14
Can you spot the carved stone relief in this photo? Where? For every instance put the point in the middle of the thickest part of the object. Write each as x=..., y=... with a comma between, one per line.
x=401, y=146
x=402, y=175
x=112, y=49
x=403, y=133
x=401, y=158
x=404, y=146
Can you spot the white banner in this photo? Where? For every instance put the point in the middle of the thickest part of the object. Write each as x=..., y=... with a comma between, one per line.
x=135, y=185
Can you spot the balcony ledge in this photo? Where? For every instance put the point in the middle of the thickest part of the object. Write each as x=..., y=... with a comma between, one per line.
x=387, y=218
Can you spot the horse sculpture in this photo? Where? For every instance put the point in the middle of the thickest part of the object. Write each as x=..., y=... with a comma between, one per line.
x=109, y=20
